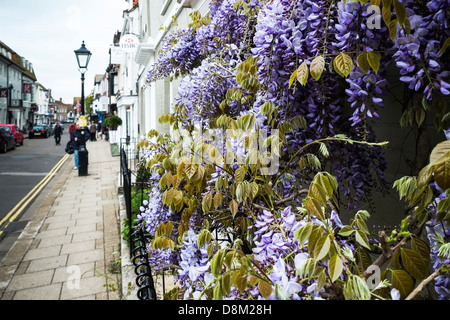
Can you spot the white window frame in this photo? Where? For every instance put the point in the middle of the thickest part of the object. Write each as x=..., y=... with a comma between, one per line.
x=165, y=7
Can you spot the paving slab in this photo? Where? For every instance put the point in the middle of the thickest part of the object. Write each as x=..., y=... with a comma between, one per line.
x=66, y=249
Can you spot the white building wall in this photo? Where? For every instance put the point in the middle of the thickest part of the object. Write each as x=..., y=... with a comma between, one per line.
x=42, y=101
x=3, y=84
x=127, y=98
x=156, y=22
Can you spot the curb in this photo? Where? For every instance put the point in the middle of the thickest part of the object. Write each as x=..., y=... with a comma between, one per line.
x=129, y=287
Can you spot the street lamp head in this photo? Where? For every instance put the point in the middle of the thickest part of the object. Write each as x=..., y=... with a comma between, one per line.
x=83, y=56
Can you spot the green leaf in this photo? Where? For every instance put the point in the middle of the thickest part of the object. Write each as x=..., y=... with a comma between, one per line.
x=314, y=207
x=328, y=182
x=265, y=289
x=254, y=188
x=302, y=73
x=240, y=174
x=321, y=278
x=207, y=202
x=356, y=289
x=400, y=11
x=203, y=238
x=303, y=233
x=210, y=249
x=362, y=62
x=240, y=192
x=444, y=46
x=343, y=64
x=420, y=116
x=316, y=233
x=361, y=238
x=189, y=170
x=392, y=25
x=292, y=78
x=309, y=160
x=442, y=173
x=267, y=108
x=217, y=199
x=229, y=258
x=386, y=11
x=322, y=247
x=218, y=292
x=226, y=283
x=346, y=231
x=362, y=214
x=362, y=225
x=374, y=60
x=439, y=150
x=414, y=263
x=402, y=282
x=234, y=206
x=317, y=66
x=335, y=267
x=216, y=262
x=363, y=258
x=442, y=208
x=306, y=269
x=324, y=150
x=240, y=279
x=444, y=250
x=318, y=193
x=424, y=176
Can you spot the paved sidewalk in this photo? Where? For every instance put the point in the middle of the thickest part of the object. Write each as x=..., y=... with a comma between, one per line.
x=71, y=247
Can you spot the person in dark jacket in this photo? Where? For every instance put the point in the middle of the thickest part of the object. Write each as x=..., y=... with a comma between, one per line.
x=57, y=133
x=78, y=137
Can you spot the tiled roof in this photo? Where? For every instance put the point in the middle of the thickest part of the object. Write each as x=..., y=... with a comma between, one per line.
x=18, y=60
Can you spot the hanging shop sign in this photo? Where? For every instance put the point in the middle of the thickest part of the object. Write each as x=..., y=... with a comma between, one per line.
x=129, y=42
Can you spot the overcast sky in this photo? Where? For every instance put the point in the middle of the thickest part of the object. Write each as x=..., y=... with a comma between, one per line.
x=46, y=33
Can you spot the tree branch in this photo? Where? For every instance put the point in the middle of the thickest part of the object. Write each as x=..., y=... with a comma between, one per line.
x=423, y=284
x=387, y=253
x=291, y=197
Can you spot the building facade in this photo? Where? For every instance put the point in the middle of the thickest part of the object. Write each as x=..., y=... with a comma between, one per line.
x=61, y=111
x=100, y=101
x=135, y=48
x=42, y=100
x=17, y=91
x=127, y=98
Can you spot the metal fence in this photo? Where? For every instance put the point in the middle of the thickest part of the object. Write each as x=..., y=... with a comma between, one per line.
x=144, y=279
x=127, y=186
x=137, y=244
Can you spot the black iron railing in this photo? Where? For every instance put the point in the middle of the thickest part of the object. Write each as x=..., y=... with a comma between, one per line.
x=126, y=183
x=137, y=244
x=144, y=279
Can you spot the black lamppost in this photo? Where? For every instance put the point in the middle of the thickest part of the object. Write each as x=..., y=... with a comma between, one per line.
x=83, y=56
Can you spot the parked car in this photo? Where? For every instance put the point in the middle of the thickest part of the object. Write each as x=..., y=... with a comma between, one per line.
x=13, y=129
x=39, y=130
x=7, y=141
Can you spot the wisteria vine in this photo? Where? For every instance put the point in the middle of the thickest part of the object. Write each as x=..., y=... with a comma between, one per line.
x=314, y=72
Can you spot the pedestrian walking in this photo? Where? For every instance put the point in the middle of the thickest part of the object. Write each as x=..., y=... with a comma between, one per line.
x=57, y=132
x=92, y=131
x=78, y=137
x=99, y=129
x=72, y=127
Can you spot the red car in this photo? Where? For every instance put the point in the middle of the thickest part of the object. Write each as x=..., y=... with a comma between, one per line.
x=13, y=129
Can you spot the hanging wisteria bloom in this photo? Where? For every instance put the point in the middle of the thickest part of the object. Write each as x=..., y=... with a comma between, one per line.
x=311, y=80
